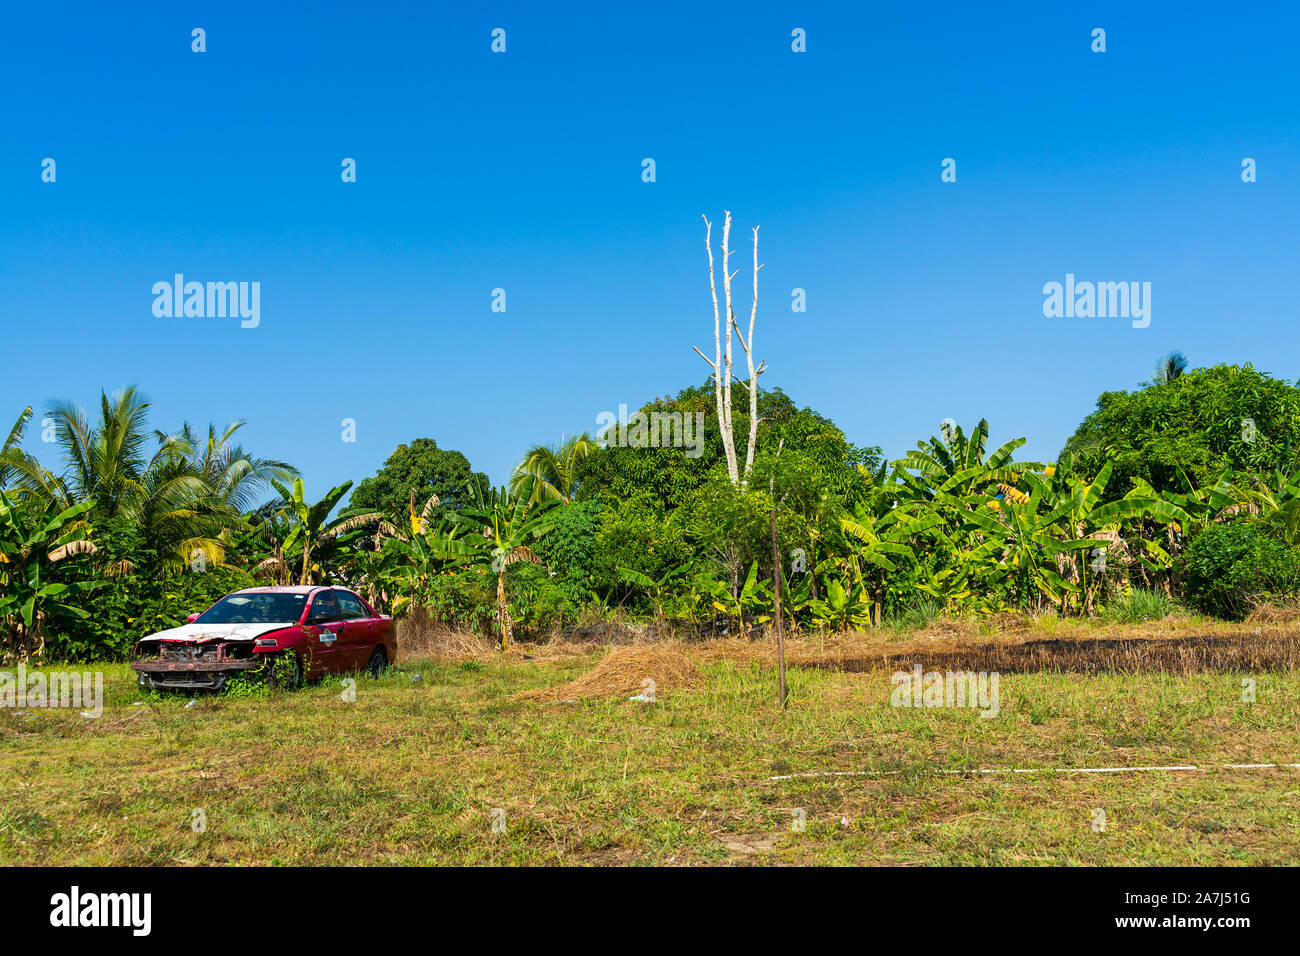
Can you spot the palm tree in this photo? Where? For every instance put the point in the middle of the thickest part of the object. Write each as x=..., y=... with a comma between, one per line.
x=184, y=497
x=108, y=464
x=232, y=474
x=10, y=453
x=106, y=461
x=18, y=466
x=553, y=468
x=22, y=471
x=1170, y=367
x=509, y=520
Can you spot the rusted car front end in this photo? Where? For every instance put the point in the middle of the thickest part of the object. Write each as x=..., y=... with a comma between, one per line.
x=194, y=665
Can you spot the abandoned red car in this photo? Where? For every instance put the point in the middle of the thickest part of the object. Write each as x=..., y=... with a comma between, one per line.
x=286, y=634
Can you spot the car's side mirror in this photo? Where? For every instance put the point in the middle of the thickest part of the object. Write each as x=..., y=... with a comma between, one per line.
x=192, y=617
x=320, y=615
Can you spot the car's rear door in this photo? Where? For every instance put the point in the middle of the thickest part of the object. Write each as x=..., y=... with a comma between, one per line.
x=327, y=652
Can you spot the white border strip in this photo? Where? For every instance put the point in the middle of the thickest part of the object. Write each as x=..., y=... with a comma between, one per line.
x=888, y=773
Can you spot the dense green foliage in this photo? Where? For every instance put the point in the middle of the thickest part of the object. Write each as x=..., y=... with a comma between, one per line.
x=1163, y=493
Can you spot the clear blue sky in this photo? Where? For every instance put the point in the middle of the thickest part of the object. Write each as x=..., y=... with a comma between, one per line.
x=523, y=171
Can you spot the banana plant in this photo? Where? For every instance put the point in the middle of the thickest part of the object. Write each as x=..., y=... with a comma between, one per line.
x=1182, y=513
x=656, y=591
x=1083, y=518
x=747, y=607
x=950, y=586
x=1277, y=502
x=844, y=607
x=875, y=544
x=309, y=526
x=31, y=543
x=1021, y=542
x=509, y=520
x=797, y=598
x=956, y=465
x=417, y=559
x=1200, y=507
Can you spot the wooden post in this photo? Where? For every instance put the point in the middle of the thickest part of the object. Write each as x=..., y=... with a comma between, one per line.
x=780, y=625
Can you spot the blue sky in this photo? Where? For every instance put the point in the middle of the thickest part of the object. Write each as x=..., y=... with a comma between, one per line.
x=522, y=171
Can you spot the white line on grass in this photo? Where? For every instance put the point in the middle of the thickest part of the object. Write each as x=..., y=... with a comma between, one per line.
x=887, y=773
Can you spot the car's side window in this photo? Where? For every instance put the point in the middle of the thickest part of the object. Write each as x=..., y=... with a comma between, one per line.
x=324, y=608
x=350, y=607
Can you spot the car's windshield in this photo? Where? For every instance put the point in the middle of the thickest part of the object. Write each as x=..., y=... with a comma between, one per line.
x=267, y=608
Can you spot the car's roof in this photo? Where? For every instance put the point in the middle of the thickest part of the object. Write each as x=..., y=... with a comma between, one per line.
x=293, y=589
x=284, y=589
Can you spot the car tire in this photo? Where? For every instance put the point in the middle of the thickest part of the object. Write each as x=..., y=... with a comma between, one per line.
x=289, y=678
x=378, y=662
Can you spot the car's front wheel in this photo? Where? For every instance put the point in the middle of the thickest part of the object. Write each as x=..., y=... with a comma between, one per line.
x=378, y=662
x=284, y=671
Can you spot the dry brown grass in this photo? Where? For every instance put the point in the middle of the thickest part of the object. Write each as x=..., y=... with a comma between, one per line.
x=623, y=671
x=1268, y=640
x=420, y=636
x=1275, y=613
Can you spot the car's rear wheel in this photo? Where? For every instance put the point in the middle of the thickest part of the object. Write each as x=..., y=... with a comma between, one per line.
x=284, y=671
x=378, y=662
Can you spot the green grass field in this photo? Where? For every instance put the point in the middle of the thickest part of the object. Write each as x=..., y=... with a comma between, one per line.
x=411, y=772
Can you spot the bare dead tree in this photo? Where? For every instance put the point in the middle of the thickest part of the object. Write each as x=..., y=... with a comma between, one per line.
x=722, y=361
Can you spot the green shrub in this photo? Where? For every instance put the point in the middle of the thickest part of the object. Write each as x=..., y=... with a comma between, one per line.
x=1229, y=567
x=568, y=549
x=639, y=536
x=467, y=598
x=538, y=601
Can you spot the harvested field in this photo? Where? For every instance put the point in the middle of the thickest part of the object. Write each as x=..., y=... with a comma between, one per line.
x=1182, y=655
x=1010, y=644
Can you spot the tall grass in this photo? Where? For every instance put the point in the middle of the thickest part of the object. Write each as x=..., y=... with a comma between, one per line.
x=1140, y=604
x=916, y=615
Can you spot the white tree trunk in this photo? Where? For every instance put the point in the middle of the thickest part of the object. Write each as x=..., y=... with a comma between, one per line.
x=722, y=360
x=721, y=371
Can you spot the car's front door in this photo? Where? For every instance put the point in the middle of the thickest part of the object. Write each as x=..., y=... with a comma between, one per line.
x=358, y=636
x=326, y=654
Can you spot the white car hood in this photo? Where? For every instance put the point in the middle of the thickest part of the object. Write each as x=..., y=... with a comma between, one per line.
x=215, y=632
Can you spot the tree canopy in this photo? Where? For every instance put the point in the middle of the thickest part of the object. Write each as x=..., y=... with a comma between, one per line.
x=671, y=475
x=1203, y=421
x=427, y=470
